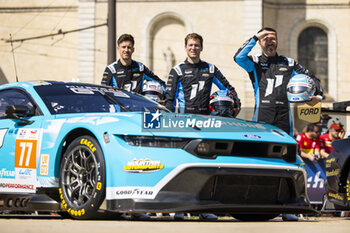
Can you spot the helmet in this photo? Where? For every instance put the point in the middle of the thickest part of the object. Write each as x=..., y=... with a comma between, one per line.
x=152, y=90
x=222, y=103
x=300, y=88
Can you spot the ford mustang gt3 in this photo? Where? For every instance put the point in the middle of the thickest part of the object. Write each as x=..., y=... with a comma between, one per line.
x=84, y=150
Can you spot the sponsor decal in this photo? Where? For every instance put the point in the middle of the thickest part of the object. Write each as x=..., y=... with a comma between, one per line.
x=4, y=173
x=205, y=75
x=133, y=192
x=136, y=75
x=17, y=186
x=295, y=98
x=333, y=172
x=40, y=83
x=64, y=207
x=315, y=181
x=241, y=124
x=283, y=69
x=80, y=90
x=44, y=164
x=336, y=196
x=143, y=166
x=89, y=144
x=252, y=136
x=25, y=172
x=347, y=189
x=29, y=134
x=309, y=113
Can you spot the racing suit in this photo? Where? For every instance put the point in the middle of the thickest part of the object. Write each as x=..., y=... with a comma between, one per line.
x=190, y=85
x=130, y=77
x=269, y=77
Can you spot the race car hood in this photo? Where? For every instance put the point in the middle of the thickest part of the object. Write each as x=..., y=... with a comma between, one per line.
x=183, y=126
x=215, y=127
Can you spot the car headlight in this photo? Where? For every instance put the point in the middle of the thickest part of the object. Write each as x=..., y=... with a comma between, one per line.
x=150, y=141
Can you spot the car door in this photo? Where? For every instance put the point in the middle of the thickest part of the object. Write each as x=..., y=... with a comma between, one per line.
x=19, y=143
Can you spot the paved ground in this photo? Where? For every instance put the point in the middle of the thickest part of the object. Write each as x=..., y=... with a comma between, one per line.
x=49, y=224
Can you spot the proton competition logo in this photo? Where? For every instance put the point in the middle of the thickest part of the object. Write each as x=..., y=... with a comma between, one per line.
x=171, y=121
x=143, y=166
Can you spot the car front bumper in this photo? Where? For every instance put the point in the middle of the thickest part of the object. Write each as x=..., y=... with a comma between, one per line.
x=217, y=189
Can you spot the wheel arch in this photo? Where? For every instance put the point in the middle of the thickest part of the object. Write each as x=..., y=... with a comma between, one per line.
x=73, y=134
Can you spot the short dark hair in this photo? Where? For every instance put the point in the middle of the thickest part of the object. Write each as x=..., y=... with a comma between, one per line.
x=126, y=37
x=194, y=36
x=311, y=126
x=268, y=29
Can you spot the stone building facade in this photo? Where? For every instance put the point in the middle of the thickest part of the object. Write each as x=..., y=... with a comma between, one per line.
x=73, y=45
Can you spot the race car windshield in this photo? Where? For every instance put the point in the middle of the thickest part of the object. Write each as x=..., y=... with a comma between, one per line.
x=83, y=98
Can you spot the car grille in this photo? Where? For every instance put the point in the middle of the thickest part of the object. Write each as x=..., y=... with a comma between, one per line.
x=247, y=189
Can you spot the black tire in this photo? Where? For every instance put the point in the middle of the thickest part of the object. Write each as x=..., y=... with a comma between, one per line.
x=82, y=178
x=254, y=217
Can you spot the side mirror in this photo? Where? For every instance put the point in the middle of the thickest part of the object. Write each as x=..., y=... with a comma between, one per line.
x=18, y=111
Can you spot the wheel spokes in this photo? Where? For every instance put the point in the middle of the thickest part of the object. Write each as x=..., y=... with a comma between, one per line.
x=80, y=175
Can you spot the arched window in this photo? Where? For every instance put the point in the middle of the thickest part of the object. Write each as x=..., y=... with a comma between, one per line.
x=313, y=53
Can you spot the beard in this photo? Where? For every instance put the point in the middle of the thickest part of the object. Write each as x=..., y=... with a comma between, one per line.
x=270, y=50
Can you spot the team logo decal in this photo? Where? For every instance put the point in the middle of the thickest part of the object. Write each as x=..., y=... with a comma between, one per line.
x=252, y=136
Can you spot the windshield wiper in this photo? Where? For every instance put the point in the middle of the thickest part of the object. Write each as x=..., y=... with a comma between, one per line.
x=113, y=100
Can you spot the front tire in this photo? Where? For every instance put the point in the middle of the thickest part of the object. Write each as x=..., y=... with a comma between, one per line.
x=82, y=178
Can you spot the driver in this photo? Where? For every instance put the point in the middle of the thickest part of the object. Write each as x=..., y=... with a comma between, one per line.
x=270, y=74
x=126, y=73
x=190, y=82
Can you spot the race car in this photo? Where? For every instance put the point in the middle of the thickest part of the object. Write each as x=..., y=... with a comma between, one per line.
x=338, y=174
x=338, y=164
x=86, y=150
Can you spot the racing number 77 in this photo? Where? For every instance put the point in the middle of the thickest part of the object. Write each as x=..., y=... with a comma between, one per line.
x=25, y=154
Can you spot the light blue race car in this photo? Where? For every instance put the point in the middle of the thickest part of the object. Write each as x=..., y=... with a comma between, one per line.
x=88, y=150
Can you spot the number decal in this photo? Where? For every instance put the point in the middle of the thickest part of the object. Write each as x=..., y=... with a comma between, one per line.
x=133, y=85
x=194, y=91
x=201, y=85
x=23, y=146
x=271, y=82
x=269, y=87
x=196, y=88
x=25, y=154
x=2, y=136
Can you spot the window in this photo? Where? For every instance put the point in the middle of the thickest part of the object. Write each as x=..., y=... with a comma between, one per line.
x=313, y=53
x=13, y=97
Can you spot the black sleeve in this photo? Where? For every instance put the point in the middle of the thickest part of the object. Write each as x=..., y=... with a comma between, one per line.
x=107, y=76
x=301, y=70
x=171, y=90
x=223, y=81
